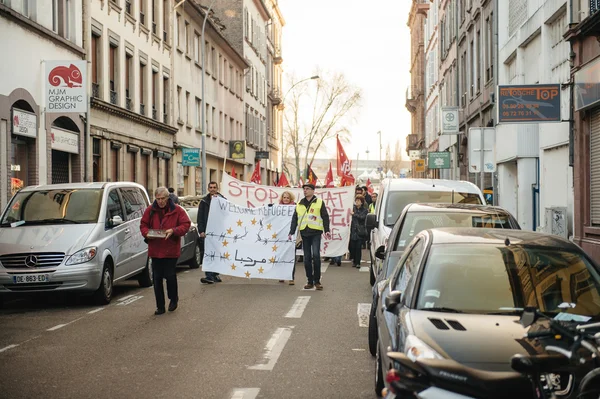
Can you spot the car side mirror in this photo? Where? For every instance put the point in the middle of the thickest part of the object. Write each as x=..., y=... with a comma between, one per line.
x=115, y=221
x=528, y=317
x=371, y=221
x=380, y=252
x=392, y=300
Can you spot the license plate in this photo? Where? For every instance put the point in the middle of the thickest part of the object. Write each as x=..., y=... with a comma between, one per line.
x=29, y=278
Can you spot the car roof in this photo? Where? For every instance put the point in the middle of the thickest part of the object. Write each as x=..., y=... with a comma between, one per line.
x=457, y=208
x=92, y=185
x=431, y=185
x=460, y=235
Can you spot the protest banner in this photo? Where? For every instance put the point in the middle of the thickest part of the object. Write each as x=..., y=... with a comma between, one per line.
x=339, y=202
x=249, y=242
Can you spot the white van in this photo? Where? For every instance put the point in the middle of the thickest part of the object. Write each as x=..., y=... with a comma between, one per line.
x=395, y=194
x=76, y=237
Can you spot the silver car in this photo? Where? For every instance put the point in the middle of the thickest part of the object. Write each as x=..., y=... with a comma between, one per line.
x=76, y=237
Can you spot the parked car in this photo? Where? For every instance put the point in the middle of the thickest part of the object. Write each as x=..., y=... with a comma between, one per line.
x=74, y=237
x=418, y=217
x=395, y=194
x=457, y=293
x=191, y=253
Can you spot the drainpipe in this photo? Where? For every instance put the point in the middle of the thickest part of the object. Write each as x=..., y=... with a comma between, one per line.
x=86, y=38
x=496, y=82
x=458, y=138
x=535, y=191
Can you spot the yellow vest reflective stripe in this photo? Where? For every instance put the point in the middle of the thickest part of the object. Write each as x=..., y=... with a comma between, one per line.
x=312, y=217
x=371, y=208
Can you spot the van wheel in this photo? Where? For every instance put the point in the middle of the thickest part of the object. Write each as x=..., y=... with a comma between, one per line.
x=103, y=294
x=373, y=330
x=379, y=384
x=145, y=277
x=196, y=260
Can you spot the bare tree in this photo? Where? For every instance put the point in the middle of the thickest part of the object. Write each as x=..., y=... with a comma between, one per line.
x=316, y=114
x=397, y=160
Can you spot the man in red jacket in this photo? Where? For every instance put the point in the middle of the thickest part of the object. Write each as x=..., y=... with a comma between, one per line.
x=163, y=225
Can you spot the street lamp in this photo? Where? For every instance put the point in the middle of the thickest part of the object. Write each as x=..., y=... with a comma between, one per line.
x=204, y=177
x=283, y=101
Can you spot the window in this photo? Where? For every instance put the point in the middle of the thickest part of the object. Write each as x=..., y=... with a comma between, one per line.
x=512, y=70
x=177, y=30
x=128, y=83
x=198, y=113
x=135, y=203
x=473, y=68
x=113, y=207
x=142, y=5
x=97, y=159
x=155, y=94
x=214, y=64
x=187, y=108
x=154, y=11
x=142, y=88
x=179, y=104
x=197, y=48
x=188, y=43
x=221, y=68
x=165, y=20
x=96, y=56
x=114, y=170
x=489, y=48
x=478, y=63
x=113, y=54
x=166, y=96
x=406, y=271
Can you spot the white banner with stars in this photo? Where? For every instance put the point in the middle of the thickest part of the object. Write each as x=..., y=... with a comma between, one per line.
x=249, y=242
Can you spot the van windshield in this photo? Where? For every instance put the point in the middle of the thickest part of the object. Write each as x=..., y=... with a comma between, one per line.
x=397, y=200
x=64, y=206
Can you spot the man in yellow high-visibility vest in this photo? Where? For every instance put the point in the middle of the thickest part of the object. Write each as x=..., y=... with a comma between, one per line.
x=312, y=220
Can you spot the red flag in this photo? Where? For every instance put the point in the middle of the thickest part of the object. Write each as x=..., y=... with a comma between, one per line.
x=233, y=174
x=329, y=177
x=369, y=186
x=343, y=162
x=256, y=174
x=310, y=176
x=347, y=180
x=283, y=181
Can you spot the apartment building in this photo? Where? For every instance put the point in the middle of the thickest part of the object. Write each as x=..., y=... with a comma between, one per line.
x=274, y=89
x=129, y=44
x=432, y=75
x=246, y=22
x=34, y=33
x=534, y=176
x=223, y=101
x=415, y=98
x=583, y=33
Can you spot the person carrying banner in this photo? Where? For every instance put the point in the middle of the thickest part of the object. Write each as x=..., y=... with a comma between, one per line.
x=373, y=204
x=312, y=220
x=167, y=222
x=358, y=230
x=203, y=210
x=288, y=198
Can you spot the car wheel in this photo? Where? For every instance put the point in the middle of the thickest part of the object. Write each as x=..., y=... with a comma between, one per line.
x=196, y=260
x=145, y=277
x=379, y=385
x=103, y=294
x=373, y=330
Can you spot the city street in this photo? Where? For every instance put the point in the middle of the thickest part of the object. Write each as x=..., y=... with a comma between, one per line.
x=237, y=339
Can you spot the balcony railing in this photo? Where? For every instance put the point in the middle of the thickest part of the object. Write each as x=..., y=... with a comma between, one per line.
x=165, y=35
x=166, y=118
x=95, y=90
x=154, y=114
x=411, y=142
x=142, y=18
x=129, y=103
x=154, y=27
x=143, y=109
x=594, y=6
x=275, y=96
x=278, y=58
x=114, y=97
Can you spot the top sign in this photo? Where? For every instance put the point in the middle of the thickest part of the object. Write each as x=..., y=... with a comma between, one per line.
x=190, y=157
x=529, y=103
x=65, y=86
x=450, y=120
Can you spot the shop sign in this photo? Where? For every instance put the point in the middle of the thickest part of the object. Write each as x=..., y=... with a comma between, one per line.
x=438, y=160
x=190, y=156
x=450, y=120
x=587, y=85
x=24, y=123
x=63, y=140
x=529, y=103
x=65, y=86
x=420, y=165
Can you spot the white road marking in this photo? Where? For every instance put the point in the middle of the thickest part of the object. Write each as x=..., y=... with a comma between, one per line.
x=363, y=311
x=298, y=307
x=95, y=310
x=124, y=298
x=8, y=347
x=364, y=269
x=359, y=350
x=245, y=393
x=131, y=299
x=324, y=267
x=187, y=271
x=273, y=349
x=63, y=325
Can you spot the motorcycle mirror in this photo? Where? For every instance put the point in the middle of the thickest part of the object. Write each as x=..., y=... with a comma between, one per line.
x=528, y=317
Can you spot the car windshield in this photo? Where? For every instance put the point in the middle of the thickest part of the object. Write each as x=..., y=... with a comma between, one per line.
x=486, y=278
x=415, y=222
x=65, y=206
x=397, y=200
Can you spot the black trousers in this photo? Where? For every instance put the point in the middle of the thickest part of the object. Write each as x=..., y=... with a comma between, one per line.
x=356, y=251
x=164, y=268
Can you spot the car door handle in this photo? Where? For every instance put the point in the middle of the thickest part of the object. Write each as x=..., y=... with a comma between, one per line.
x=127, y=231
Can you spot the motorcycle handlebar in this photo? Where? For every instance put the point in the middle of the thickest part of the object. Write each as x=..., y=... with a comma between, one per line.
x=541, y=334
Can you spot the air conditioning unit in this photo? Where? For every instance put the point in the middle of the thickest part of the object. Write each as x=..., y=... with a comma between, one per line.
x=556, y=221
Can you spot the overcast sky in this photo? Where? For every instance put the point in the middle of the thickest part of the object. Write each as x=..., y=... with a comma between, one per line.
x=369, y=42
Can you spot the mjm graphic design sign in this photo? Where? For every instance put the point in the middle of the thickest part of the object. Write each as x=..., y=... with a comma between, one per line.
x=529, y=103
x=65, y=86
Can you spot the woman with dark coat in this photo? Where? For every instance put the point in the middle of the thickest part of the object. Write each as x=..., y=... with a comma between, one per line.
x=358, y=230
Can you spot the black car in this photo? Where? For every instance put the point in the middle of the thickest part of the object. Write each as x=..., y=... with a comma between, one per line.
x=418, y=217
x=457, y=293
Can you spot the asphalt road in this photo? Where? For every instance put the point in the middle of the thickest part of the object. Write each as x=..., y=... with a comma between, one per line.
x=239, y=339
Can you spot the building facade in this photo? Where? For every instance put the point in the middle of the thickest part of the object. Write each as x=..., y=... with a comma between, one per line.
x=534, y=176
x=583, y=34
x=246, y=22
x=415, y=97
x=46, y=31
x=129, y=45
x=432, y=75
x=223, y=103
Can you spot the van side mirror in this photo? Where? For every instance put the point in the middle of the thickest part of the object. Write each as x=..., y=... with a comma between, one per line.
x=380, y=252
x=392, y=300
x=528, y=317
x=115, y=221
x=371, y=221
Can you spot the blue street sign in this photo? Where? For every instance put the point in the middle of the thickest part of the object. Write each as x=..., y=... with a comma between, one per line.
x=191, y=157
